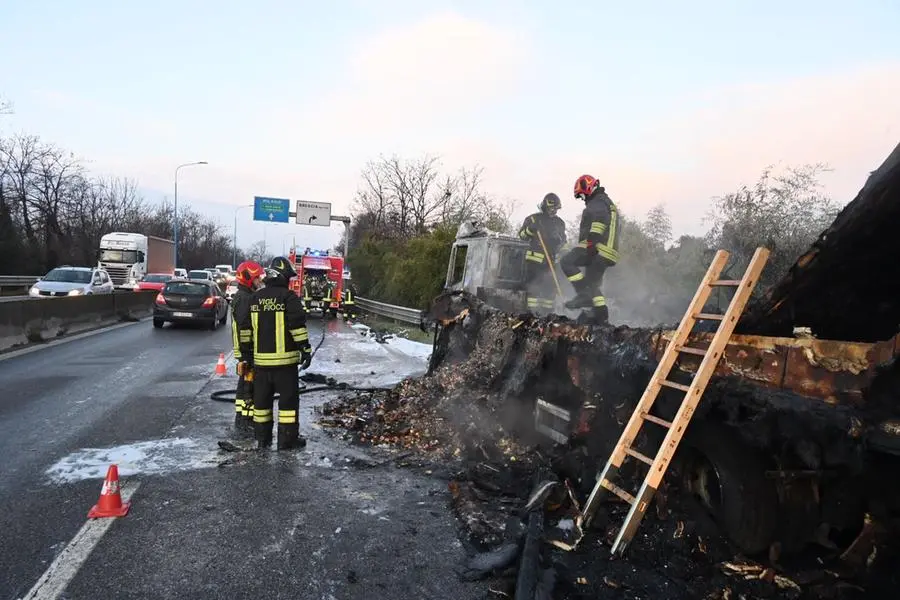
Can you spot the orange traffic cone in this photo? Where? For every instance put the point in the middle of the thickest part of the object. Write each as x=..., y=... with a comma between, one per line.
x=220, y=366
x=110, y=503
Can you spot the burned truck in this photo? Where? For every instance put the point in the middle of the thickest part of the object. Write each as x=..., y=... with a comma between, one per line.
x=797, y=438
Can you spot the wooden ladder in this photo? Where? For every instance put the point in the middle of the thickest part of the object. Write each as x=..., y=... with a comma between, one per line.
x=693, y=393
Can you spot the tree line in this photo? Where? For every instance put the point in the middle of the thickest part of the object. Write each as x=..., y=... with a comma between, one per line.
x=54, y=212
x=407, y=212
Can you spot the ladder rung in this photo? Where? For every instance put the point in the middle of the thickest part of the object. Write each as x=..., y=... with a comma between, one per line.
x=617, y=491
x=641, y=457
x=674, y=386
x=726, y=282
x=709, y=317
x=689, y=350
x=657, y=420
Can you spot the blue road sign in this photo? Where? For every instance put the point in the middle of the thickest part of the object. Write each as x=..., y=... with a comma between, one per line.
x=271, y=210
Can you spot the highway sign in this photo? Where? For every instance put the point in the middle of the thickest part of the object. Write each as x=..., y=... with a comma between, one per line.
x=313, y=213
x=271, y=210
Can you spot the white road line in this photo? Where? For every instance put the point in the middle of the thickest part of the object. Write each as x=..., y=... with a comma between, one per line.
x=55, y=579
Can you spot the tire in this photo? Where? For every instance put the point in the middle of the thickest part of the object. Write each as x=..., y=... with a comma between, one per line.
x=729, y=478
x=214, y=324
x=158, y=323
x=224, y=318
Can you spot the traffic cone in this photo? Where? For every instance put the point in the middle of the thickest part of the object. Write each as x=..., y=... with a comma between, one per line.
x=110, y=503
x=220, y=366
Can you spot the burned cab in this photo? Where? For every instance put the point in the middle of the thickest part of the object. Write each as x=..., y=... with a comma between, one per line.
x=488, y=265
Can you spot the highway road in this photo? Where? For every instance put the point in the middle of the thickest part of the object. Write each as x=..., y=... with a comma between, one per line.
x=320, y=523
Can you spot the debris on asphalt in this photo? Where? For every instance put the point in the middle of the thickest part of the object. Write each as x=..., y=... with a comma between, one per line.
x=472, y=417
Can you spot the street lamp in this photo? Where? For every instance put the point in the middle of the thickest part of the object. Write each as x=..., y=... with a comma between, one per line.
x=175, y=226
x=234, y=239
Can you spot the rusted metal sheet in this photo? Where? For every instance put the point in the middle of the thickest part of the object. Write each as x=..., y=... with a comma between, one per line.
x=832, y=371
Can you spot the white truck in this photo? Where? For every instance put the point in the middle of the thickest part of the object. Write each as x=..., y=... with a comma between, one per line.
x=127, y=257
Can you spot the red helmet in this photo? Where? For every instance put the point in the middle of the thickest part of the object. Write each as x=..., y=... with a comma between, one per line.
x=248, y=272
x=585, y=186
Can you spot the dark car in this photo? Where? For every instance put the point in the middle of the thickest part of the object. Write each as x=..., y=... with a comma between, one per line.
x=184, y=301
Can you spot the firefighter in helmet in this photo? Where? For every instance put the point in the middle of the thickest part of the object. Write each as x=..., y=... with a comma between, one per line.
x=277, y=334
x=547, y=226
x=597, y=250
x=348, y=302
x=249, y=277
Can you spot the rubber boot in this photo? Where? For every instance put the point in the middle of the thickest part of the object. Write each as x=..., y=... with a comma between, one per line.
x=600, y=315
x=289, y=437
x=582, y=298
x=263, y=433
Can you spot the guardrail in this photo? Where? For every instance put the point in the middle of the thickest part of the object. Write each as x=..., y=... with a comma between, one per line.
x=17, y=281
x=24, y=321
x=390, y=311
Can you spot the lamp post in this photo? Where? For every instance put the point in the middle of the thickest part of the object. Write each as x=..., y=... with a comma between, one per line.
x=234, y=239
x=175, y=224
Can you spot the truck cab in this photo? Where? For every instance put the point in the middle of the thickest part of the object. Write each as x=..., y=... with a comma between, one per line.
x=488, y=265
x=127, y=257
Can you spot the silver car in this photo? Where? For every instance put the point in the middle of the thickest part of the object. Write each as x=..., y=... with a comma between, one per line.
x=72, y=281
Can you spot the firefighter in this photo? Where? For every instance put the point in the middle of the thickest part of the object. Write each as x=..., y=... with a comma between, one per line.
x=597, y=250
x=277, y=334
x=249, y=278
x=349, y=301
x=553, y=232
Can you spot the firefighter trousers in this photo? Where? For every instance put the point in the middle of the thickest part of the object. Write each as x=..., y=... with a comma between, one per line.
x=539, y=291
x=243, y=402
x=285, y=382
x=349, y=310
x=588, y=284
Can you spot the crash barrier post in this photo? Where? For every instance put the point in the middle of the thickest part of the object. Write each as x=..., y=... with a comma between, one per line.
x=402, y=314
x=35, y=320
x=16, y=283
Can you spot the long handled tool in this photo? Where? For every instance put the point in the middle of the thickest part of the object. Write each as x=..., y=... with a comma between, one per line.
x=549, y=263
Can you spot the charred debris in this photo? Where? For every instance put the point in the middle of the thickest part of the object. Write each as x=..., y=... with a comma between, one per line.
x=786, y=485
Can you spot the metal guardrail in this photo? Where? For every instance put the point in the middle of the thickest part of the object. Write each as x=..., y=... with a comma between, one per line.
x=17, y=281
x=397, y=313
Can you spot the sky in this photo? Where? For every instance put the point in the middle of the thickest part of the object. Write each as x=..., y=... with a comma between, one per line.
x=664, y=102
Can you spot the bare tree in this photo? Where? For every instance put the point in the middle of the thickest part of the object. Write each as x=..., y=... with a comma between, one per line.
x=658, y=226
x=783, y=211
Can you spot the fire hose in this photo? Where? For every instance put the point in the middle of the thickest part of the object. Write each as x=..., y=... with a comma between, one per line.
x=229, y=395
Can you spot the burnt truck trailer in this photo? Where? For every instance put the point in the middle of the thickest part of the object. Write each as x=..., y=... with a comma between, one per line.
x=797, y=436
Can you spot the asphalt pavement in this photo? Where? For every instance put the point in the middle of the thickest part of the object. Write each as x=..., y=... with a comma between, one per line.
x=328, y=522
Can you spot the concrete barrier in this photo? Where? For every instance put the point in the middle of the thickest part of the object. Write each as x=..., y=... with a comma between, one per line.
x=30, y=321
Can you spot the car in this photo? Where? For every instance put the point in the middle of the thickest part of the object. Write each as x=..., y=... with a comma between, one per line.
x=190, y=301
x=231, y=290
x=72, y=281
x=181, y=273
x=153, y=281
x=200, y=275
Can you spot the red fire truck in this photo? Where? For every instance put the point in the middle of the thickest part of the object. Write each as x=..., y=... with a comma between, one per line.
x=319, y=280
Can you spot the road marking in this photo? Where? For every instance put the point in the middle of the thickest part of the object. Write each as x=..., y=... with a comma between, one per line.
x=65, y=340
x=63, y=570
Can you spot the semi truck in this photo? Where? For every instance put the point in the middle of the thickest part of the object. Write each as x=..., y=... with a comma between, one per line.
x=127, y=257
x=798, y=434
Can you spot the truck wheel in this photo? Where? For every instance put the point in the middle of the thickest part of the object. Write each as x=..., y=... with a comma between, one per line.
x=158, y=323
x=729, y=479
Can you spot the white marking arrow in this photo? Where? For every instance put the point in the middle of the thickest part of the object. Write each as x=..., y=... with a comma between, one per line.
x=271, y=216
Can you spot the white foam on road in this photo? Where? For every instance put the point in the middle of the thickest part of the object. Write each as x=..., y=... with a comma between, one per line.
x=153, y=457
x=357, y=359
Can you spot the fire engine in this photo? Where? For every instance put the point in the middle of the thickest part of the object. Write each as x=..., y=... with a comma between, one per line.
x=319, y=280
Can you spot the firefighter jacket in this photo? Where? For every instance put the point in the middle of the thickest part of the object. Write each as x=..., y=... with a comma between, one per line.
x=240, y=311
x=349, y=296
x=553, y=232
x=599, y=229
x=275, y=328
